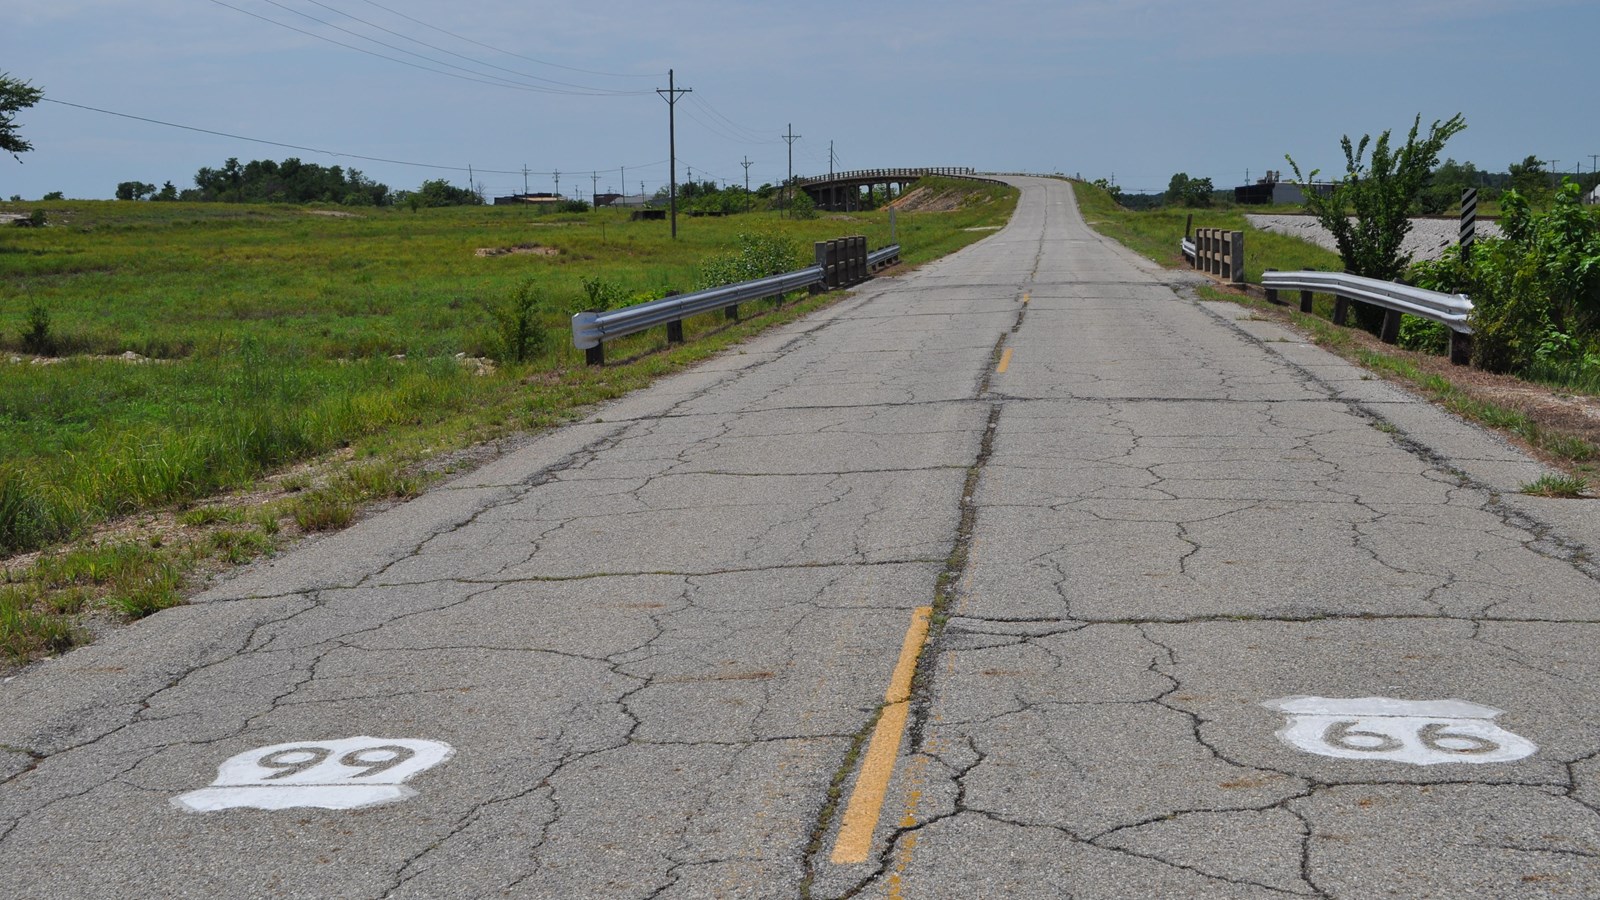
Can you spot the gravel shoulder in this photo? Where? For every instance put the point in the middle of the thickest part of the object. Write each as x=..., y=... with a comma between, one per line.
x=1427, y=239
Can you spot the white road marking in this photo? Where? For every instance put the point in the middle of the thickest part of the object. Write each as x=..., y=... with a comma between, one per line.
x=343, y=774
x=1418, y=732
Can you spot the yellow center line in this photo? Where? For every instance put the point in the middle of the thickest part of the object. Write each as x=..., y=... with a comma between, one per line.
x=1005, y=362
x=866, y=801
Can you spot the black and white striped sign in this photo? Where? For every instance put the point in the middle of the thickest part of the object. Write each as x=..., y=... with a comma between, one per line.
x=1469, y=220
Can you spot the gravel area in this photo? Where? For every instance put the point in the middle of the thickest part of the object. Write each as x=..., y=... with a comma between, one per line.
x=1426, y=240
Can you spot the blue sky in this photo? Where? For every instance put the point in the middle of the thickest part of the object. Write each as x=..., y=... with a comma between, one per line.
x=1138, y=89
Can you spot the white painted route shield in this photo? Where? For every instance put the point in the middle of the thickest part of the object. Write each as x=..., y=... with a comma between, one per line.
x=1419, y=732
x=342, y=774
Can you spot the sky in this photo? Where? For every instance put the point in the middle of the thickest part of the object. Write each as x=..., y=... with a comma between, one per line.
x=1130, y=90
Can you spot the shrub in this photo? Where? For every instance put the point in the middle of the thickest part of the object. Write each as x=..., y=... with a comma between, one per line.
x=757, y=255
x=1535, y=292
x=37, y=338
x=520, y=333
x=1424, y=335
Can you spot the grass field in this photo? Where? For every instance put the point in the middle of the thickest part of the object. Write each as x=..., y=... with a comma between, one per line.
x=1155, y=234
x=278, y=334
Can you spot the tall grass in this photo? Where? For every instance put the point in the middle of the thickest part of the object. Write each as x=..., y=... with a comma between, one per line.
x=282, y=335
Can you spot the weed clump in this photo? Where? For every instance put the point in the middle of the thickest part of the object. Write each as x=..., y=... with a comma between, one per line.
x=520, y=332
x=36, y=338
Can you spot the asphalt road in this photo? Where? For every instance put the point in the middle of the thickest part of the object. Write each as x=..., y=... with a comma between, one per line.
x=1208, y=614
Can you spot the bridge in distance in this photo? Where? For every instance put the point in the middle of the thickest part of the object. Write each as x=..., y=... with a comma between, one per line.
x=1063, y=580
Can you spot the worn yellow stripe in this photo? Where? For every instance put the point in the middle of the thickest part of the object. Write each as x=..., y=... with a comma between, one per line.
x=866, y=802
x=1005, y=362
x=1026, y=297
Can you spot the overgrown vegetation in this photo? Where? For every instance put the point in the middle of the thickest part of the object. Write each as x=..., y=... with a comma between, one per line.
x=283, y=337
x=1535, y=292
x=1368, y=211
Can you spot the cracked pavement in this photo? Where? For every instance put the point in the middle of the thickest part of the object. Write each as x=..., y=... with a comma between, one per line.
x=654, y=637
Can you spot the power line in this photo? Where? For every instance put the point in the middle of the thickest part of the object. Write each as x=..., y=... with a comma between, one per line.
x=505, y=52
x=496, y=83
x=444, y=50
x=524, y=171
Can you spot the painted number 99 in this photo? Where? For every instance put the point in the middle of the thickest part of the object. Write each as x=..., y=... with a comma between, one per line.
x=369, y=760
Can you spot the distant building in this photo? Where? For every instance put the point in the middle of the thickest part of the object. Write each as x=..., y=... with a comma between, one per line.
x=1593, y=196
x=530, y=199
x=1273, y=190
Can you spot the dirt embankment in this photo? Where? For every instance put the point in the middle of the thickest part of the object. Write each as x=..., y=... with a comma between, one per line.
x=929, y=200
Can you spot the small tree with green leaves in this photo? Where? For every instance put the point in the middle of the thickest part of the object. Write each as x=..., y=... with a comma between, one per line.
x=15, y=96
x=1379, y=193
x=1185, y=191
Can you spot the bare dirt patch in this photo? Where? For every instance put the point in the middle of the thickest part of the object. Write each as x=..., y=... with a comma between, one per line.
x=520, y=249
x=334, y=214
x=928, y=200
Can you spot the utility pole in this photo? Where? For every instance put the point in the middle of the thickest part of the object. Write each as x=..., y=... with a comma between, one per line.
x=746, y=165
x=624, y=183
x=671, y=95
x=470, y=185
x=524, y=179
x=1594, y=163
x=594, y=189
x=558, y=183
x=788, y=186
x=830, y=160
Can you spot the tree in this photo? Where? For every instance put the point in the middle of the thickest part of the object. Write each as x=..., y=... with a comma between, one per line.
x=169, y=192
x=1445, y=185
x=1529, y=179
x=15, y=96
x=1185, y=191
x=134, y=190
x=1380, y=193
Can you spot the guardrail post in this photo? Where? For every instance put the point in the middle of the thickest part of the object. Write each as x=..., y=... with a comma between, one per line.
x=1341, y=310
x=595, y=356
x=675, y=327
x=858, y=259
x=1305, y=301
x=1390, y=333
x=1235, y=271
x=824, y=251
x=1460, y=348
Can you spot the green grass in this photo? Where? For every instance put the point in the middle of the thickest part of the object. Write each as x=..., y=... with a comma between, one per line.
x=1155, y=233
x=1561, y=486
x=277, y=331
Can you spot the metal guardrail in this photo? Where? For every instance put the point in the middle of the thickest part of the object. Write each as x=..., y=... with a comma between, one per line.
x=1187, y=246
x=591, y=329
x=1450, y=310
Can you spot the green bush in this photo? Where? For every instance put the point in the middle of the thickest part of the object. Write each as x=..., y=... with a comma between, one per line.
x=37, y=338
x=1535, y=292
x=758, y=255
x=1424, y=335
x=520, y=332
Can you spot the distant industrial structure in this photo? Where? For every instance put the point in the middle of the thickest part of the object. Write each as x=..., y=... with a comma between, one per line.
x=1272, y=190
x=541, y=200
